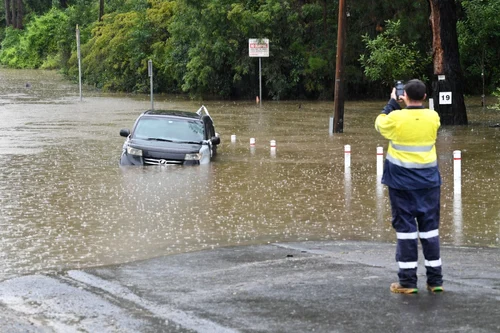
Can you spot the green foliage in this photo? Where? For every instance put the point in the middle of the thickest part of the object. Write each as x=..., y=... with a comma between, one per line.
x=113, y=56
x=390, y=59
x=116, y=56
x=497, y=105
x=83, y=13
x=200, y=47
x=37, y=43
x=479, y=40
x=124, y=6
x=9, y=51
x=37, y=7
x=209, y=48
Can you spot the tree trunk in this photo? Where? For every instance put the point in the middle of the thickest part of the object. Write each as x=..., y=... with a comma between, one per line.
x=325, y=20
x=14, y=13
x=13, y=10
x=8, y=15
x=101, y=9
x=448, y=81
x=20, y=14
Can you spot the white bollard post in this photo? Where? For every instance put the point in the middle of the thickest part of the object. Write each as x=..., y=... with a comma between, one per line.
x=457, y=171
x=380, y=161
x=252, y=141
x=233, y=138
x=347, y=158
x=273, y=148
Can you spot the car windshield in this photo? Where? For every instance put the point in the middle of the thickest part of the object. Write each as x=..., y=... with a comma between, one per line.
x=168, y=129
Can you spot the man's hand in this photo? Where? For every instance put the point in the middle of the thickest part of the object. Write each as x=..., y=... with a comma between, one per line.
x=393, y=94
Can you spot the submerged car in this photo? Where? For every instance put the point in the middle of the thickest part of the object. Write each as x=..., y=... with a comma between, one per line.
x=162, y=137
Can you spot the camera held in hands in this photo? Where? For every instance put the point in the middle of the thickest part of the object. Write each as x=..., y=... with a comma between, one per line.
x=400, y=87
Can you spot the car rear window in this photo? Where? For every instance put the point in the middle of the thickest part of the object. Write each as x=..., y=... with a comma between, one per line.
x=169, y=129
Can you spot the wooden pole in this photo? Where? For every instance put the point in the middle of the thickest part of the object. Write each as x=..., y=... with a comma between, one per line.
x=338, y=115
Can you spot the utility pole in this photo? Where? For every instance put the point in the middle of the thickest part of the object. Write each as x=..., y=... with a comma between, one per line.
x=338, y=115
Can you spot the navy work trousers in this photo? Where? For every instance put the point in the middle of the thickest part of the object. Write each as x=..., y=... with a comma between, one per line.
x=415, y=215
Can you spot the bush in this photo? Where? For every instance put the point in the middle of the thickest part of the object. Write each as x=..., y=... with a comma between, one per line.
x=9, y=52
x=496, y=106
x=389, y=59
x=115, y=58
x=38, y=43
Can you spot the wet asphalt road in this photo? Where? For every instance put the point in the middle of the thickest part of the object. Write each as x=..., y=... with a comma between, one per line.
x=292, y=287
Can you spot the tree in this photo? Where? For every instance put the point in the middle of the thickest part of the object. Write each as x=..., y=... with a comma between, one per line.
x=8, y=14
x=390, y=58
x=446, y=59
x=479, y=40
x=38, y=45
x=14, y=13
x=116, y=56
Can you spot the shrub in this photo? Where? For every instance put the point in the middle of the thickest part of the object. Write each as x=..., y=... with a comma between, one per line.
x=32, y=47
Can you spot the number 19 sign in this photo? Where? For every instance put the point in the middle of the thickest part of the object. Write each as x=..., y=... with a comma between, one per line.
x=445, y=97
x=258, y=47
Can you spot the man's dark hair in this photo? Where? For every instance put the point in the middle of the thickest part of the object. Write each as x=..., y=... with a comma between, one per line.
x=415, y=90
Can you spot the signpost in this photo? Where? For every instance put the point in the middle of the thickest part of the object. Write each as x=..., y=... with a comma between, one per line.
x=150, y=74
x=79, y=60
x=259, y=47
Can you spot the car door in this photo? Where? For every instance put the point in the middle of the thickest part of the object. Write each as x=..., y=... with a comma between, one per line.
x=209, y=133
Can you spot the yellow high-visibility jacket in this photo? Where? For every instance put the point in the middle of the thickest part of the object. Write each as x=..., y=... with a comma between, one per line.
x=411, y=160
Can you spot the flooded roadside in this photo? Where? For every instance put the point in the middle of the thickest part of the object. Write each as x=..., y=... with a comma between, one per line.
x=65, y=202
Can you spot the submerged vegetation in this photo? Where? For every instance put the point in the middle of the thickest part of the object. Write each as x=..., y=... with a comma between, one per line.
x=201, y=47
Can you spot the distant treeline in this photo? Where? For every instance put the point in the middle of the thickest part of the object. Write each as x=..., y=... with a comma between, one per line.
x=200, y=47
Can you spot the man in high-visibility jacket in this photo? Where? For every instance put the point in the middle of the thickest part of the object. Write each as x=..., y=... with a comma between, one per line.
x=412, y=175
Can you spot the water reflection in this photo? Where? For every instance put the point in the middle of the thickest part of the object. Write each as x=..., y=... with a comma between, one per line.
x=273, y=152
x=65, y=202
x=347, y=188
x=380, y=200
x=457, y=218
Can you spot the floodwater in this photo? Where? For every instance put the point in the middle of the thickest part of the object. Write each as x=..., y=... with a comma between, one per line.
x=65, y=203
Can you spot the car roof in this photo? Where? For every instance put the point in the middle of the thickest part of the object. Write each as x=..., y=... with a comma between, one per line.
x=172, y=113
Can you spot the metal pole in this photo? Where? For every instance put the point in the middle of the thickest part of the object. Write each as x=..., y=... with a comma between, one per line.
x=260, y=81
x=483, y=103
x=79, y=61
x=150, y=73
x=338, y=116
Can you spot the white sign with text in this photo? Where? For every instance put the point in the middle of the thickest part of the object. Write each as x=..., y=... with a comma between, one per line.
x=258, y=47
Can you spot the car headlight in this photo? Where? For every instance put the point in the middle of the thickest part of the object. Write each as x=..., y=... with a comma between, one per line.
x=193, y=157
x=134, y=151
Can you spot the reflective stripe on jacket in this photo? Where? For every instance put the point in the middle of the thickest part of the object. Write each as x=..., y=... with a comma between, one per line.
x=411, y=160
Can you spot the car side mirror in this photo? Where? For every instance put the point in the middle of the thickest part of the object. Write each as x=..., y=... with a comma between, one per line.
x=124, y=132
x=215, y=140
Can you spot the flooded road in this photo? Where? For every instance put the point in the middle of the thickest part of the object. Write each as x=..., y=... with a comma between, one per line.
x=65, y=202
